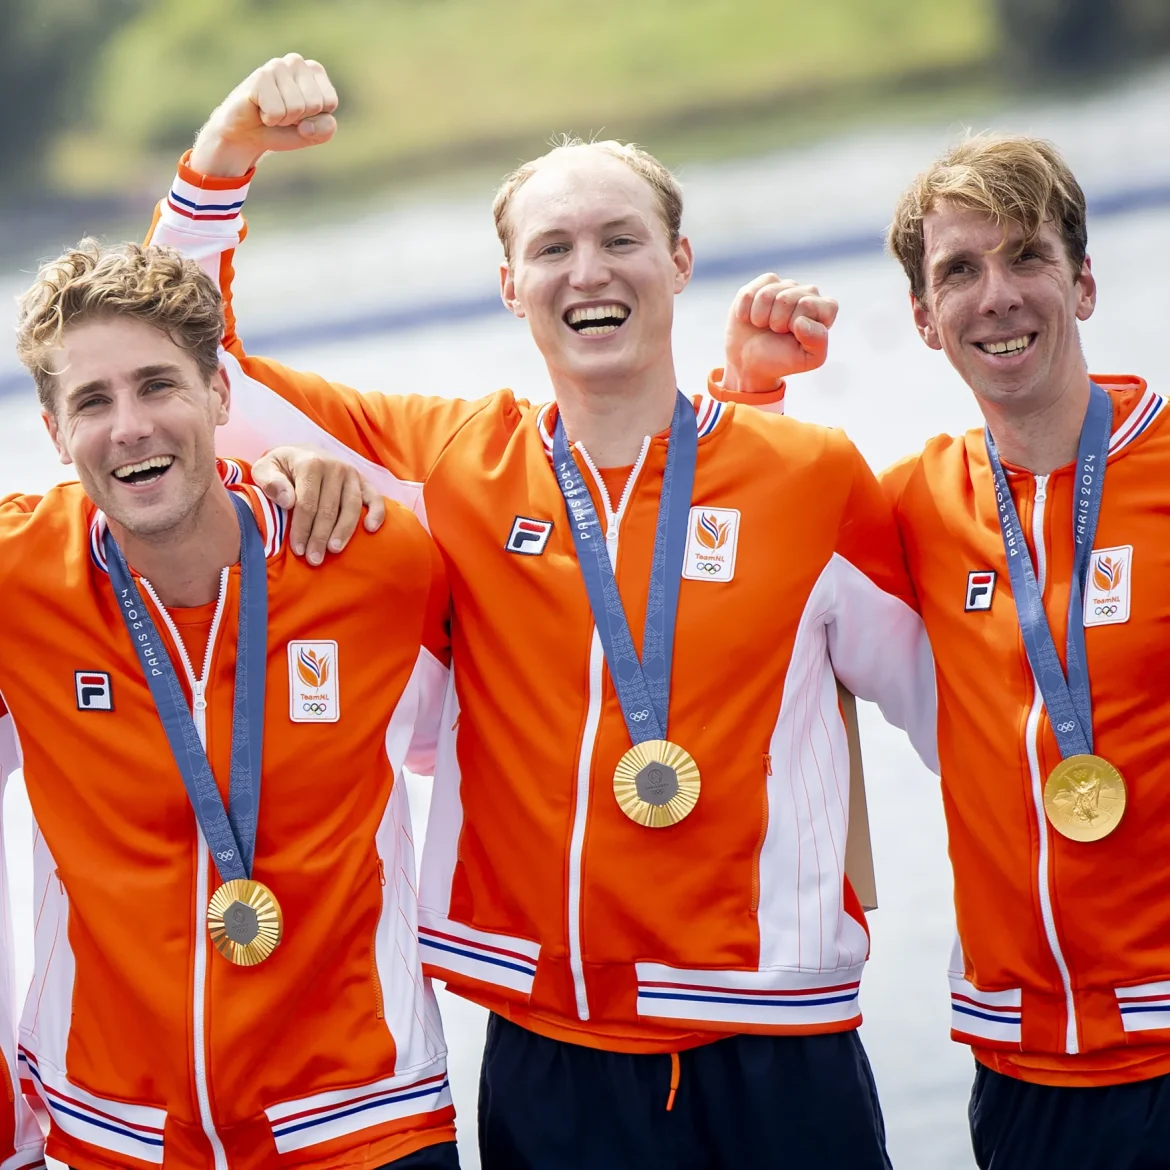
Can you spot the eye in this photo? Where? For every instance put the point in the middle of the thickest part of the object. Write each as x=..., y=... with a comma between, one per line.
x=89, y=401
x=553, y=250
x=157, y=384
x=622, y=242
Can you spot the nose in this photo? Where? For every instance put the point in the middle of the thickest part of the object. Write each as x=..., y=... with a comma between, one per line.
x=590, y=268
x=130, y=421
x=999, y=289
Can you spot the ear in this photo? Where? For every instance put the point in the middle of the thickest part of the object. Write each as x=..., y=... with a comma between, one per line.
x=684, y=264
x=1086, y=284
x=924, y=322
x=508, y=291
x=221, y=388
x=49, y=418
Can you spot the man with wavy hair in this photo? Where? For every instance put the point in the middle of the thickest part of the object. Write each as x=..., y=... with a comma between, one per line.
x=1039, y=548
x=635, y=852
x=212, y=736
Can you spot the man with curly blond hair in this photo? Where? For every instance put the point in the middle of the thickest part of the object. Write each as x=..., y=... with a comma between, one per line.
x=1039, y=548
x=227, y=968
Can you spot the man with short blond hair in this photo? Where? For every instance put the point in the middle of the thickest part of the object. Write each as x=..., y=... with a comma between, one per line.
x=1039, y=549
x=667, y=192
x=212, y=737
x=635, y=851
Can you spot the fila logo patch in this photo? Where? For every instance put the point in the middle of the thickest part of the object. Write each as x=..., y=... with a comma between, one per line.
x=94, y=692
x=980, y=590
x=528, y=537
x=1107, y=589
x=712, y=538
x=313, y=683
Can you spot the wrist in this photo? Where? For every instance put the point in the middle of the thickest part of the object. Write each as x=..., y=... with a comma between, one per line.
x=220, y=158
x=736, y=381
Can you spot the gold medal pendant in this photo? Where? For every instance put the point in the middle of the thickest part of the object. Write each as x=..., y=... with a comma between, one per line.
x=656, y=783
x=1084, y=798
x=245, y=922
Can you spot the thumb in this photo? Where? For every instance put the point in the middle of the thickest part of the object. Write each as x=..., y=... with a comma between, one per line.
x=314, y=131
x=811, y=334
x=273, y=482
x=813, y=338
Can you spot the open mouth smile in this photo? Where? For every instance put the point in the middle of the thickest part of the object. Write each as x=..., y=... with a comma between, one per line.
x=597, y=320
x=1010, y=347
x=144, y=472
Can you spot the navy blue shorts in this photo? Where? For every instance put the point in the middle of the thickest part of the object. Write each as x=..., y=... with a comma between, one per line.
x=797, y=1102
x=442, y=1156
x=1016, y=1125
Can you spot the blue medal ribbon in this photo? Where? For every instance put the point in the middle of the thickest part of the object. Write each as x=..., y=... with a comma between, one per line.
x=643, y=687
x=1068, y=699
x=230, y=832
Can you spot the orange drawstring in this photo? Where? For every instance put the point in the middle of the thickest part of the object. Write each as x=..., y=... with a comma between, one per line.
x=674, y=1074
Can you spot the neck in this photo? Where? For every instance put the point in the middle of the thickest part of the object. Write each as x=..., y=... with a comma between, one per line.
x=1043, y=438
x=184, y=563
x=610, y=421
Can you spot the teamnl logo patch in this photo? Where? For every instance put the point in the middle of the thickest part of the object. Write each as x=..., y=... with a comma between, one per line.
x=528, y=537
x=980, y=590
x=712, y=538
x=314, y=694
x=1107, y=589
x=93, y=690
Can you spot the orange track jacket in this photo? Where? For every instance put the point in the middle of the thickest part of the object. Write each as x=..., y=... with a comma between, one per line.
x=142, y=1042
x=539, y=898
x=1061, y=968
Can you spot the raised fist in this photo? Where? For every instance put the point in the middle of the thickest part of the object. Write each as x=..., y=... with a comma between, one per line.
x=286, y=104
x=775, y=328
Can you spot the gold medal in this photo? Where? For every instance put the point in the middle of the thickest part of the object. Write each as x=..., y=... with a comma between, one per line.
x=1084, y=798
x=245, y=922
x=656, y=783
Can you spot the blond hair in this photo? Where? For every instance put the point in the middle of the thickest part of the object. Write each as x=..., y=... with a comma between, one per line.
x=1014, y=180
x=90, y=282
x=667, y=192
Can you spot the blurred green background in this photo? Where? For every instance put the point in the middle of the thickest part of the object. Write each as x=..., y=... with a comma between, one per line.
x=106, y=92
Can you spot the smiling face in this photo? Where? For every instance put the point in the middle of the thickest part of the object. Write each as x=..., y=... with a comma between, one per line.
x=1005, y=314
x=136, y=418
x=592, y=268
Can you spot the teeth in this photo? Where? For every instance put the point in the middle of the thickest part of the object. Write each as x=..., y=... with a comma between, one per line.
x=597, y=330
x=1013, y=346
x=161, y=461
x=597, y=313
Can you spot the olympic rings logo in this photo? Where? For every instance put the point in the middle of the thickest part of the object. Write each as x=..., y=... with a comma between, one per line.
x=1066, y=727
x=1106, y=610
x=314, y=708
x=708, y=566
x=640, y=716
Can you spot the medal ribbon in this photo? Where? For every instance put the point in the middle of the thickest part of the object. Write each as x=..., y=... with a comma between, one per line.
x=230, y=833
x=1068, y=700
x=643, y=687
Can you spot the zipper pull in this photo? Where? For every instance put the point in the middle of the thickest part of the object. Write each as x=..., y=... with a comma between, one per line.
x=199, y=703
x=381, y=871
x=1041, y=488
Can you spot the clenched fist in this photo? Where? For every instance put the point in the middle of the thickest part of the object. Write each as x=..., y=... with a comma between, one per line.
x=286, y=104
x=775, y=328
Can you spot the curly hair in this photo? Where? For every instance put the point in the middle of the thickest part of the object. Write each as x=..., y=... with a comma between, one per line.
x=1012, y=179
x=667, y=192
x=90, y=282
